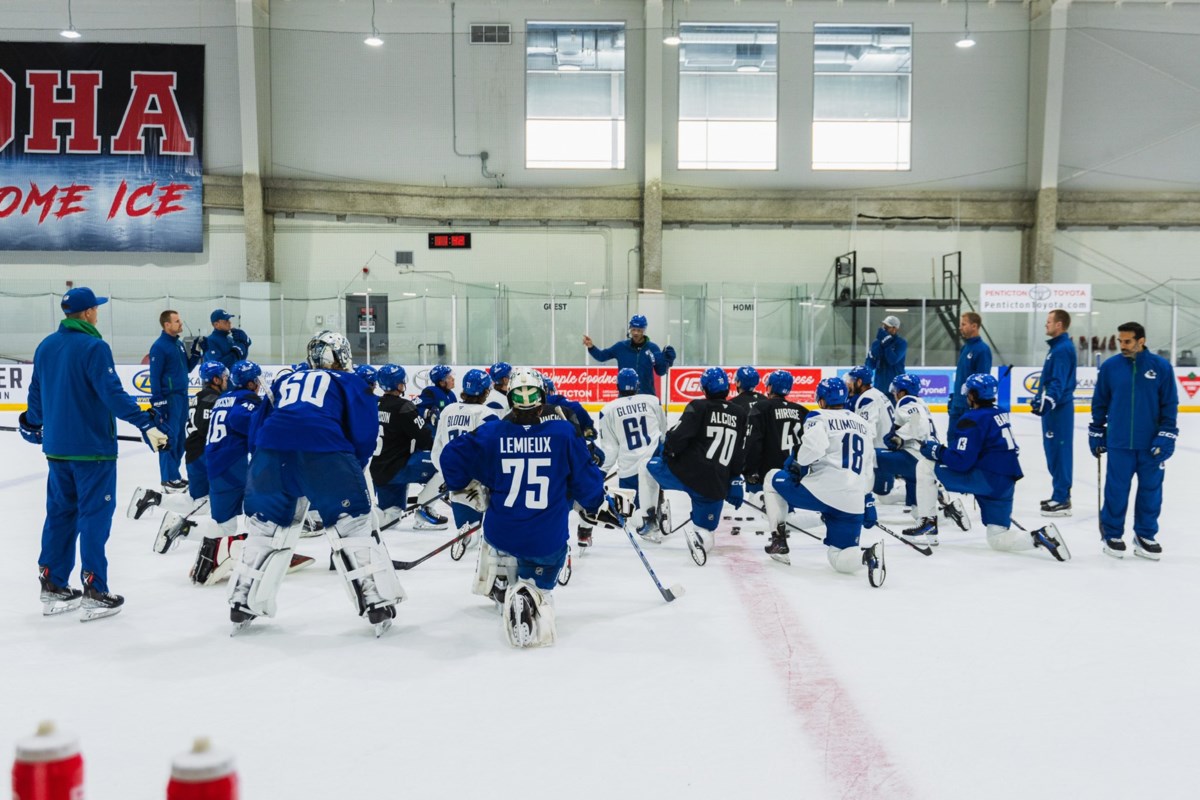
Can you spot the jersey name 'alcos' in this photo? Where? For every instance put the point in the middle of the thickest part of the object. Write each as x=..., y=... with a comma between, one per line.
x=837, y=449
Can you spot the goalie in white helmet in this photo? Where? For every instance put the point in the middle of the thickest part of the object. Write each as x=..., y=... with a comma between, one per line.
x=313, y=443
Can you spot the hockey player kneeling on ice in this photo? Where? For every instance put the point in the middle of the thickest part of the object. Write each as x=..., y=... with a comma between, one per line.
x=984, y=462
x=701, y=456
x=876, y=408
x=403, y=457
x=902, y=457
x=746, y=379
x=830, y=473
x=457, y=419
x=314, y=443
x=776, y=425
x=630, y=431
x=530, y=468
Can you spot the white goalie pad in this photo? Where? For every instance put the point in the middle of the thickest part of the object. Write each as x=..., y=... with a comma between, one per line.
x=492, y=564
x=528, y=616
x=363, y=561
x=266, y=556
x=474, y=496
x=848, y=560
x=1008, y=539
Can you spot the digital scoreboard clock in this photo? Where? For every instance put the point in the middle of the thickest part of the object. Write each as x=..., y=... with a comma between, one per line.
x=449, y=241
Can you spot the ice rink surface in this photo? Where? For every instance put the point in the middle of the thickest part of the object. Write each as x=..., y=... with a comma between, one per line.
x=970, y=674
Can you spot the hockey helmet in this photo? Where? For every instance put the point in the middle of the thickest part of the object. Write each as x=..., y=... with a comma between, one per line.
x=627, y=380
x=550, y=387
x=780, y=382
x=211, y=370
x=300, y=366
x=329, y=350
x=475, y=383
x=746, y=378
x=983, y=385
x=525, y=389
x=439, y=373
x=637, y=321
x=243, y=372
x=714, y=380
x=367, y=373
x=861, y=373
x=498, y=371
x=832, y=391
x=908, y=383
x=391, y=377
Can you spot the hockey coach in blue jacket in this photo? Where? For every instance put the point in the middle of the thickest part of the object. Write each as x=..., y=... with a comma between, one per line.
x=226, y=343
x=975, y=358
x=1055, y=404
x=637, y=353
x=170, y=364
x=1134, y=419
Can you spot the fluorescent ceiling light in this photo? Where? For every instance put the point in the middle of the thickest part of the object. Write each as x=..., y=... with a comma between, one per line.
x=748, y=68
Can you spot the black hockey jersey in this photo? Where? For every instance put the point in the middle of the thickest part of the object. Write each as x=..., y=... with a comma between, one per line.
x=747, y=400
x=403, y=432
x=708, y=446
x=776, y=425
x=201, y=406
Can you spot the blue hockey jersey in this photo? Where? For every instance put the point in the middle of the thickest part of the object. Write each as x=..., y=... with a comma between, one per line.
x=533, y=472
x=986, y=442
x=431, y=402
x=320, y=411
x=229, y=427
x=1136, y=398
x=1058, y=373
x=974, y=358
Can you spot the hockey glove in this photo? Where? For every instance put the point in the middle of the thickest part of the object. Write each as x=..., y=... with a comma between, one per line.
x=932, y=449
x=474, y=496
x=597, y=454
x=669, y=354
x=29, y=432
x=754, y=483
x=893, y=442
x=797, y=471
x=1041, y=405
x=238, y=351
x=737, y=492
x=239, y=336
x=1098, y=439
x=870, y=516
x=1163, y=446
x=198, y=344
x=608, y=514
x=156, y=439
x=158, y=407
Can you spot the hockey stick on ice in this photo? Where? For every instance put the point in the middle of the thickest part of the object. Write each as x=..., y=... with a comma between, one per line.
x=668, y=594
x=925, y=551
x=121, y=437
x=791, y=525
x=409, y=510
x=402, y=565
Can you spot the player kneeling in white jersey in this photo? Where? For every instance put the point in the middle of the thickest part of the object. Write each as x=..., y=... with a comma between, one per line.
x=984, y=462
x=902, y=458
x=530, y=468
x=630, y=430
x=831, y=473
x=456, y=419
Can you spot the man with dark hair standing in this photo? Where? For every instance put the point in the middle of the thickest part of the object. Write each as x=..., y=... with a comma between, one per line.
x=1055, y=404
x=73, y=397
x=1134, y=419
x=975, y=358
x=170, y=364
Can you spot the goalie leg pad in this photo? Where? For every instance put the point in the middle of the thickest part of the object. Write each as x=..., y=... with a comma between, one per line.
x=848, y=560
x=493, y=567
x=1008, y=539
x=528, y=616
x=364, y=563
x=265, y=558
x=218, y=553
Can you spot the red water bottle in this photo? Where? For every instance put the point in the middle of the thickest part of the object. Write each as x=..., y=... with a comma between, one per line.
x=203, y=774
x=48, y=766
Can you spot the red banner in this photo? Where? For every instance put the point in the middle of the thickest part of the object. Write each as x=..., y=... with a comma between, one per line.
x=685, y=383
x=584, y=384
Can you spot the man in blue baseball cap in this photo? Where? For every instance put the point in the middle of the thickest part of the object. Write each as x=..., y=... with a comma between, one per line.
x=74, y=396
x=637, y=353
x=226, y=344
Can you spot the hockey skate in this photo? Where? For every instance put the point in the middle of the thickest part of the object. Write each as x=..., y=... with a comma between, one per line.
x=778, y=548
x=695, y=543
x=1114, y=547
x=381, y=618
x=97, y=604
x=876, y=566
x=174, y=487
x=427, y=520
x=241, y=619
x=499, y=591
x=216, y=558
x=1053, y=509
x=1146, y=548
x=925, y=532
x=312, y=526
x=564, y=574
x=1049, y=538
x=585, y=537
x=954, y=510
x=142, y=501
x=57, y=599
x=650, y=529
x=172, y=528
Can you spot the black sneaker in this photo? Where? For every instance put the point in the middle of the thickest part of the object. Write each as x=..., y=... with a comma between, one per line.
x=1052, y=509
x=1114, y=547
x=57, y=599
x=98, y=604
x=174, y=487
x=1147, y=548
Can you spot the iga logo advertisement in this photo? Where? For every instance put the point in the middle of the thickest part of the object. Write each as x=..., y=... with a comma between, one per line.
x=685, y=383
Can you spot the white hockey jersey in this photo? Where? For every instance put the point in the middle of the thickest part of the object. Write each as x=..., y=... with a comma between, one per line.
x=629, y=431
x=914, y=423
x=837, y=449
x=455, y=420
x=875, y=407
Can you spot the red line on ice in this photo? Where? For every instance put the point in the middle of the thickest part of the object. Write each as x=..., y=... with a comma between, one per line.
x=856, y=763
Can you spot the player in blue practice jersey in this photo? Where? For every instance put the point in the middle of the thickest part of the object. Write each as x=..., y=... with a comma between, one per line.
x=499, y=373
x=437, y=395
x=524, y=471
x=830, y=471
x=983, y=462
x=314, y=443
